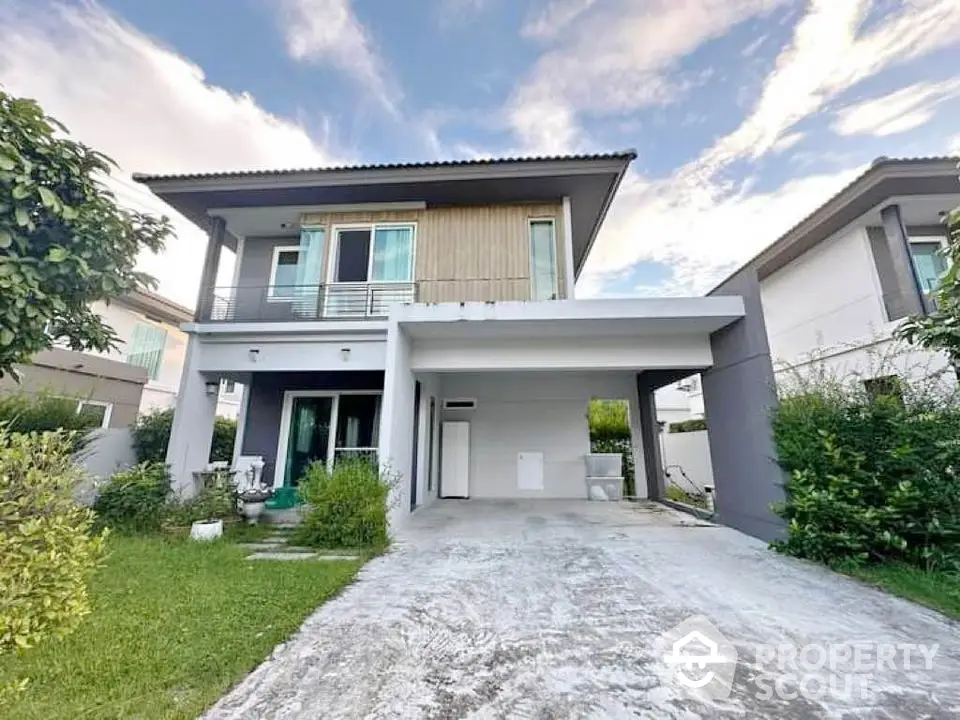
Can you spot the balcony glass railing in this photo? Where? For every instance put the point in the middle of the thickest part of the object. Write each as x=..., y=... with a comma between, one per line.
x=285, y=303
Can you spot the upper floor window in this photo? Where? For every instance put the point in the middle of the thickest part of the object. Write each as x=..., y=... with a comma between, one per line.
x=228, y=387
x=543, y=260
x=929, y=262
x=283, y=272
x=146, y=348
x=372, y=253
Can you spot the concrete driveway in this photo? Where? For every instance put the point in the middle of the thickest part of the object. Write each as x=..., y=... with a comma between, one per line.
x=552, y=609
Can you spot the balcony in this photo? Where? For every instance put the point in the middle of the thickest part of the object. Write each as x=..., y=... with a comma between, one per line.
x=291, y=303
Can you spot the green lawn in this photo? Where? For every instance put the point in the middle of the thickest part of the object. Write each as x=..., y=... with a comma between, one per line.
x=940, y=591
x=174, y=625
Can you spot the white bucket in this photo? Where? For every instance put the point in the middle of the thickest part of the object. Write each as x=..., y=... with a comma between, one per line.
x=206, y=530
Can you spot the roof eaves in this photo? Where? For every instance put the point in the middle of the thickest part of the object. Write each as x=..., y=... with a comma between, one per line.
x=146, y=178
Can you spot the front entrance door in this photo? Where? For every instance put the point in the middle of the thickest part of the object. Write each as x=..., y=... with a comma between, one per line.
x=329, y=427
x=309, y=435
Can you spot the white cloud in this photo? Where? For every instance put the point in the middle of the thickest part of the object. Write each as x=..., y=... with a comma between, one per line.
x=751, y=49
x=699, y=222
x=613, y=58
x=555, y=18
x=829, y=54
x=456, y=13
x=329, y=31
x=787, y=141
x=904, y=109
x=953, y=145
x=699, y=233
x=148, y=108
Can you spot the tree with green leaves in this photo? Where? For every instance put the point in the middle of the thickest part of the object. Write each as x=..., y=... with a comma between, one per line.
x=64, y=241
x=940, y=330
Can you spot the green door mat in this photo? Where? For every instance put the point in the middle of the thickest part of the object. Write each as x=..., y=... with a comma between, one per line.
x=284, y=498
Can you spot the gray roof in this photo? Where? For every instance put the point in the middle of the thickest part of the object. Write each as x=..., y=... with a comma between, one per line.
x=627, y=155
x=590, y=181
x=885, y=178
x=155, y=306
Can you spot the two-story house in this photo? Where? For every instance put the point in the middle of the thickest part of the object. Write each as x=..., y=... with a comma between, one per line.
x=425, y=314
x=835, y=286
x=148, y=327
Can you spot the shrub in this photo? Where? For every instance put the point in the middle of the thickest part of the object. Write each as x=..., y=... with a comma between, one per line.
x=26, y=413
x=685, y=426
x=870, y=479
x=151, y=435
x=609, y=425
x=608, y=420
x=47, y=548
x=216, y=501
x=133, y=500
x=348, y=507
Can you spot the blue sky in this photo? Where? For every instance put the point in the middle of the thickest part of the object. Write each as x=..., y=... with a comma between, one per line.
x=746, y=114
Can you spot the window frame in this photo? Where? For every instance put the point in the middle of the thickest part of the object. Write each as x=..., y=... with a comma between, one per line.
x=223, y=386
x=107, y=412
x=373, y=227
x=531, y=221
x=274, y=264
x=942, y=240
x=129, y=352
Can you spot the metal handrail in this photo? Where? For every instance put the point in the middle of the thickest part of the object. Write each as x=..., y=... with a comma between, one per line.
x=284, y=303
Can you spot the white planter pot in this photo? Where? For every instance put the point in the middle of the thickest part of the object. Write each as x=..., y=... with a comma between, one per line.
x=252, y=511
x=206, y=530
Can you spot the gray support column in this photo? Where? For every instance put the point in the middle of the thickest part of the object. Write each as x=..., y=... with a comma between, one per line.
x=914, y=302
x=650, y=439
x=211, y=264
x=192, y=433
x=739, y=393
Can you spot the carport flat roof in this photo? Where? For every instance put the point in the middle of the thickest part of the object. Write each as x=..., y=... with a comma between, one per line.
x=570, y=318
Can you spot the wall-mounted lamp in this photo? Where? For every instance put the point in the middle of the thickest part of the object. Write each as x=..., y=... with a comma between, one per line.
x=345, y=353
x=253, y=354
x=212, y=387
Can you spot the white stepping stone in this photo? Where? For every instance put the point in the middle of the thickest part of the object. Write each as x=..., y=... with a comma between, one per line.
x=282, y=556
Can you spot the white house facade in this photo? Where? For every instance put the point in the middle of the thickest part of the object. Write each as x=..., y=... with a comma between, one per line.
x=424, y=315
x=835, y=287
x=150, y=337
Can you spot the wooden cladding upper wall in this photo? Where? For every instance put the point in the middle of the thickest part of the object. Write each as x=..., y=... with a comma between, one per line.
x=467, y=252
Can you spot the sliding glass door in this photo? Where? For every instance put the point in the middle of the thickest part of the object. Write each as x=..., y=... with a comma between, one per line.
x=309, y=438
x=328, y=427
x=365, y=261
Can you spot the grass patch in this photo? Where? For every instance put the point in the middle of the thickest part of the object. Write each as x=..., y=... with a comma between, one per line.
x=672, y=492
x=244, y=532
x=174, y=625
x=937, y=590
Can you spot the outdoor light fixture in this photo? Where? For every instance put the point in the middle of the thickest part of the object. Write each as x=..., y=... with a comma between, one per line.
x=213, y=387
x=253, y=354
x=345, y=353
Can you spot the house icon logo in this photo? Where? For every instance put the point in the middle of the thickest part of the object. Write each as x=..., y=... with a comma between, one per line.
x=698, y=657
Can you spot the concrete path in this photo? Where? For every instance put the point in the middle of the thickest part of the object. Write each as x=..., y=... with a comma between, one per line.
x=553, y=610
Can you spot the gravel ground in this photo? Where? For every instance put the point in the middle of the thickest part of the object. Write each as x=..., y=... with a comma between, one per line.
x=552, y=609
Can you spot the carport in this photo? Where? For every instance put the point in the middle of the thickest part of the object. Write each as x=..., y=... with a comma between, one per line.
x=521, y=375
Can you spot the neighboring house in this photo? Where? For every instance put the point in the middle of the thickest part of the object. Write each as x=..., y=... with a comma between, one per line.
x=836, y=286
x=107, y=391
x=148, y=326
x=425, y=314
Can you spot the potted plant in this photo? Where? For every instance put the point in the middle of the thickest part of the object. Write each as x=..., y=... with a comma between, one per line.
x=252, y=501
x=209, y=508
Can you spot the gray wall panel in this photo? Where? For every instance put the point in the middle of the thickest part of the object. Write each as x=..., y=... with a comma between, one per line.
x=739, y=394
